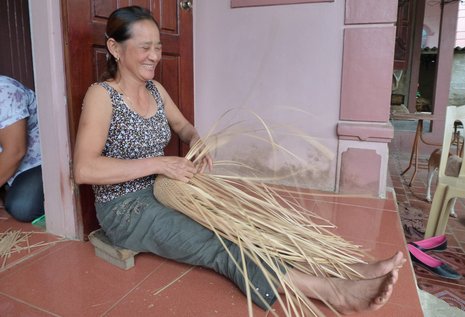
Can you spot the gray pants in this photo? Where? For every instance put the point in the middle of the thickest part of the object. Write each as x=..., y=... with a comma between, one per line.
x=137, y=221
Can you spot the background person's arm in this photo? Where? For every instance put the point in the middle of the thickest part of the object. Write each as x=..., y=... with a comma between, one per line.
x=13, y=140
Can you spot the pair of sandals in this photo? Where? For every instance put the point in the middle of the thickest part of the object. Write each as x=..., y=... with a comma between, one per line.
x=417, y=251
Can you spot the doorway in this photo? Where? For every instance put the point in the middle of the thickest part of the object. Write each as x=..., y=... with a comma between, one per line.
x=84, y=27
x=15, y=36
x=426, y=31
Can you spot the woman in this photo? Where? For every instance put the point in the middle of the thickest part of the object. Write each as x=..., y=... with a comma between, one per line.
x=123, y=130
x=20, y=159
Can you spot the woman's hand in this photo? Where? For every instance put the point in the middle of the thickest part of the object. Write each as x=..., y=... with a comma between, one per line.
x=206, y=160
x=178, y=168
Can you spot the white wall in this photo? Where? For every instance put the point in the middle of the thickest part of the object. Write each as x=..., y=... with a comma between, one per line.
x=267, y=57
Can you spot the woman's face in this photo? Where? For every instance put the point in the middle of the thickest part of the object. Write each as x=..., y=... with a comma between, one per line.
x=142, y=51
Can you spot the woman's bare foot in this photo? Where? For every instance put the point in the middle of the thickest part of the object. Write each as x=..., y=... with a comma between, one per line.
x=350, y=296
x=346, y=296
x=380, y=268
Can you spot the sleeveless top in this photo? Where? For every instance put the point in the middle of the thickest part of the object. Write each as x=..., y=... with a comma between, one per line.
x=131, y=136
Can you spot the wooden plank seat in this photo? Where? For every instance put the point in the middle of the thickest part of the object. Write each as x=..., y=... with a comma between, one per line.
x=122, y=258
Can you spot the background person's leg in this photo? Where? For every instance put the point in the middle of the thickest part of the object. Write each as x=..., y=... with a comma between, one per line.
x=2, y=196
x=24, y=199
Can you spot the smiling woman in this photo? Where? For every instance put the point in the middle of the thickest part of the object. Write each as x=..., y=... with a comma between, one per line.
x=133, y=59
x=125, y=125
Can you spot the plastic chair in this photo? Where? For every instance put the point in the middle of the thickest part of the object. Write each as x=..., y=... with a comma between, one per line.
x=448, y=187
x=457, y=139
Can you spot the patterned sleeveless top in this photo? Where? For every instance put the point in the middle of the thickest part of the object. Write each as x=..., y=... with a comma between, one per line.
x=132, y=136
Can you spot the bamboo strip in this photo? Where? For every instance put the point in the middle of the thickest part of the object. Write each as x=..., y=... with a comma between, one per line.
x=266, y=221
x=16, y=241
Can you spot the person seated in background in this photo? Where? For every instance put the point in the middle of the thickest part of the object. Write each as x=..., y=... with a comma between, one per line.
x=20, y=158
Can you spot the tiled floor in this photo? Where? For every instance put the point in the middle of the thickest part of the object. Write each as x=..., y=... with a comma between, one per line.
x=65, y=278
x=413, y=197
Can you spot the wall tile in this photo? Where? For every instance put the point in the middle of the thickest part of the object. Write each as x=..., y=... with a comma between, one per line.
x=367, y=73
x=370, y=11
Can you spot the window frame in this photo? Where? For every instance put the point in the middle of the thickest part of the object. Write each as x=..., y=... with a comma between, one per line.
x=255, y=3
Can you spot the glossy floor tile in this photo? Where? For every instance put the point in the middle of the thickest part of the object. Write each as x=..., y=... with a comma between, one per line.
x=413, y=198
x=67, y=279
x=29, y=240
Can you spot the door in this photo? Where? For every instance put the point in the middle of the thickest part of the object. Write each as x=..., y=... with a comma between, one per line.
x=15, y=36
x=84, y=28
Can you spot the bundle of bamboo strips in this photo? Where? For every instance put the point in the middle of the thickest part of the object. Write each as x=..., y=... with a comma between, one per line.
x=15, y=241
x=268, y=223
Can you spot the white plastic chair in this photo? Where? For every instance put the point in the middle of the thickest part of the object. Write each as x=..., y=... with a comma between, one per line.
x=448, y=187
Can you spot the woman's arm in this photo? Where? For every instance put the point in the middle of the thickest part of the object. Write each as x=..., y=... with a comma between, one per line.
x=13, y=140
x=183, y=128
x=90, y=167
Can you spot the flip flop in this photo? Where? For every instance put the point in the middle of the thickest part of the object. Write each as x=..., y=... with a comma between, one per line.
x=438, y=243
x=432, y=264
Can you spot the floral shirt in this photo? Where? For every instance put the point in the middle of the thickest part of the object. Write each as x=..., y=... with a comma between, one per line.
x=16, y=103
x=130, y=137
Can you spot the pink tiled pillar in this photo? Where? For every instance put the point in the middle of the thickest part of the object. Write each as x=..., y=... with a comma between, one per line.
x=363, y=157
x=364, y=130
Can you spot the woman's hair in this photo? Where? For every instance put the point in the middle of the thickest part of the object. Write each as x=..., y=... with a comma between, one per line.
x=119, y=26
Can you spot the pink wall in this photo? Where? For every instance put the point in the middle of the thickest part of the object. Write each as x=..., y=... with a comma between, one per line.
x=300, y=56
x=268, y=57
x=367, y=72
x=364, y=130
